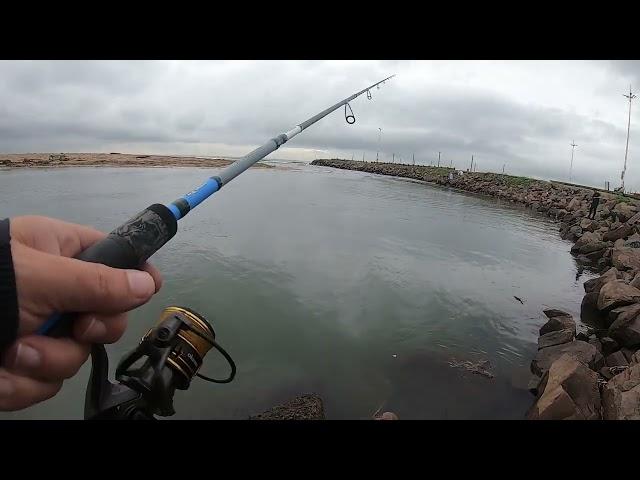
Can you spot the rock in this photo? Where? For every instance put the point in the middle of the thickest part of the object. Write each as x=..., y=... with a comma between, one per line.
x=576, y=230
x=626, y=314
x=628, y=353
x=596, y=343
x=532, y=386
x=626, y=258
x=622, y=231
x=616, y=359
x=595, y=255
x=589, y=225
x=554, y=312
x=625, y=329
x=558, y=322
x=569, y=392
x=635, y=358
x=598, y=361
x=619, y=243
x=621, y=395
x=304, y=407
x=633, y=241
x=616, y=293
x=634, y=220
x=606, y=373
x=582, y=336
x=595, y=284
x=624, y=211
x=636, y=281
x=587, y=238
x=581, y=351
x=589, y=312
x=556, y=337
x=574, y=204
x=592, y=247
x=609, y=345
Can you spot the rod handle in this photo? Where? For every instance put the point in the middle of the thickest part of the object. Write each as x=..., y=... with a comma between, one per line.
x=128, y=246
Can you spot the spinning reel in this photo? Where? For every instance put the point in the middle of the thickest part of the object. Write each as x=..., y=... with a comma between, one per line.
x=167, y=358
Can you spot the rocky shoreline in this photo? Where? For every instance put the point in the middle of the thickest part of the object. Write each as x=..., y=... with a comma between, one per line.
x=587, y=375
x=48, y=160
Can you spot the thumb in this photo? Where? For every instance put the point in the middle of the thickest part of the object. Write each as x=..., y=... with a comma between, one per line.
x=71, y=285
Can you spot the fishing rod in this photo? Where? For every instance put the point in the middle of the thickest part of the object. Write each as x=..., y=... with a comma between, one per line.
x=133, y=242
x=172, y=352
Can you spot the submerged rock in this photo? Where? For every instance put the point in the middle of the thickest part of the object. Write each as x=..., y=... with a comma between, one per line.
x=303, y=407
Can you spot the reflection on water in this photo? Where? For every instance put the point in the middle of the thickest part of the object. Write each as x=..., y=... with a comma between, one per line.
x=358, y=287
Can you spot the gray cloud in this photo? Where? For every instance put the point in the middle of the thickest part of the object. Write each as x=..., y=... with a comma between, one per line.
x=228, y=108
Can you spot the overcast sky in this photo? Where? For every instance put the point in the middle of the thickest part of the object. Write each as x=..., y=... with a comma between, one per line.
x=520, y=113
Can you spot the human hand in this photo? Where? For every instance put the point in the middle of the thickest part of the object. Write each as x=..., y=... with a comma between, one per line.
x=48, y=280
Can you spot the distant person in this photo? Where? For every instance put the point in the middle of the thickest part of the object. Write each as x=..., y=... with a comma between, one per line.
x=595, y=201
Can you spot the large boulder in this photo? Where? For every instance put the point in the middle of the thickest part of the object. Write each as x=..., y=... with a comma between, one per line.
x=589, y=225
x=558, y=320
x=616, y=293
x=581, y=351
x=585, y=239
x=625, y=329
x=624, y=211
x=557, y=337
x=589, y=312
x=616, y=359
x=574, y=204
x=626, y=258
x=594, y=246
x=595, y=284
x=621, y=395
x=568, y=391
x=609, y=345
x=622, y=231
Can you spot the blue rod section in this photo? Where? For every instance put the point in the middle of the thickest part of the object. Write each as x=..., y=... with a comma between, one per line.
x=195, y=197
x=49, y=324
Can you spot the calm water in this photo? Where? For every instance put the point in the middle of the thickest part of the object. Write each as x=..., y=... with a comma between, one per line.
x=358, y=287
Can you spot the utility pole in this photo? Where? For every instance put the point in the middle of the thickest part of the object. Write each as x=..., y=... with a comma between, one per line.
x=414, y=159
x=503, y=165
x=573, y=147
x=393, y=159
x=438, y=158
x=631, y=96
x=471, y=169
x=379, y=141
x=363, y=156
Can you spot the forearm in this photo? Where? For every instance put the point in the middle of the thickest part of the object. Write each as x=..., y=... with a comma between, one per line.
x=8, y=294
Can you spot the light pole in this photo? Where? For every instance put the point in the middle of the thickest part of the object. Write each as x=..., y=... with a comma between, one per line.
x=631, y=96
x=573, y=147
x=379, y=141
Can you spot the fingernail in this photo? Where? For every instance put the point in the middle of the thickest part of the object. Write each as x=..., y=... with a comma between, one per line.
x=6, y=387
x=95, y=331
x=141, y=283
x=27, y=357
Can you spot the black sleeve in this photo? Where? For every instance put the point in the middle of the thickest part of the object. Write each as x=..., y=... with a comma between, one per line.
x=8, y=293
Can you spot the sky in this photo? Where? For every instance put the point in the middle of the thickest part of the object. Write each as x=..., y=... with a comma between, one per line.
x=522, y=115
